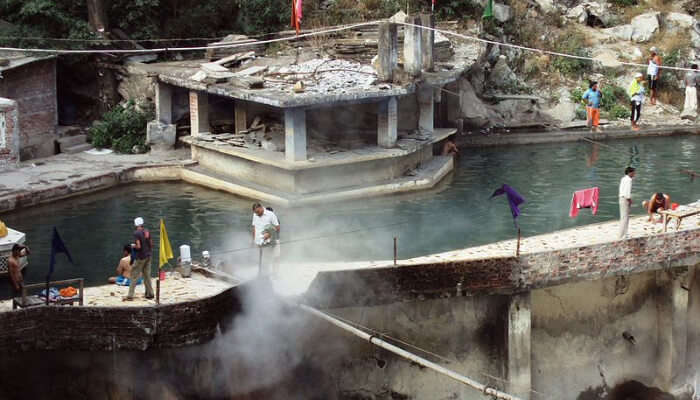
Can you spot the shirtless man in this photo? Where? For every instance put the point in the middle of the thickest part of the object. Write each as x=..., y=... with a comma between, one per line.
x=658, y=202
x=449, y=148
x=15, y=269
x=124, y=268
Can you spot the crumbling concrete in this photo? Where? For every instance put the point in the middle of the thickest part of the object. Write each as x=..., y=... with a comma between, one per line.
x=9, y=134
x=295, y=134
x=387, y=123
x=161, y=136
x=199, y=113
x=427, y=41
x=387, y=51
x=413, y=46
x=164, y=103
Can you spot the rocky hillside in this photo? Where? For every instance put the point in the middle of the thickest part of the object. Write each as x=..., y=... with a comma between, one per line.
x=609, y=31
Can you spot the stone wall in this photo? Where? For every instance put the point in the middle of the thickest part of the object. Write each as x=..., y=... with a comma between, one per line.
x=33, y=86
x=116, y=328
x=9, y=133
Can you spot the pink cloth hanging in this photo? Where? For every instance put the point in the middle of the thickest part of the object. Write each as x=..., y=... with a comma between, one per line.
x=587, y=198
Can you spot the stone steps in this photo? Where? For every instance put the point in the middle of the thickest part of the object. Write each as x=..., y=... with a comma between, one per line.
x=78, y=148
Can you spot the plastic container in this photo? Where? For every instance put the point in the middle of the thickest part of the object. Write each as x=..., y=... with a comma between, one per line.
x=674, y=206
x=161, y=275
x=185, y=256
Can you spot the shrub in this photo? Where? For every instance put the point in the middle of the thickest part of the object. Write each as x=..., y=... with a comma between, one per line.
x=574, y=43
x=619, y=111
x=121, y=128
x=623, y=3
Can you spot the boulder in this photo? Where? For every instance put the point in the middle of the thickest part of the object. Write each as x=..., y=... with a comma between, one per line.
x=645, y=26
x=695, y=35
x=591, y=13
x=502, y=12
x=565, y=110
x=501, y=76
x=676, y=22
x=398, y=17
x=623, y=32
x=161, y=136
x=546, y=6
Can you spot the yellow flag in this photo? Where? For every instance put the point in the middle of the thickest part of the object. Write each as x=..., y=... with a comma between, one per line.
x=165, y=252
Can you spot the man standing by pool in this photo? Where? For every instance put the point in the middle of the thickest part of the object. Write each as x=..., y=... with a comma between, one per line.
x=592, y=97
x=143, y=244
x=653, y=72
x=625, y=201
x=265, y=227
x=15, y=269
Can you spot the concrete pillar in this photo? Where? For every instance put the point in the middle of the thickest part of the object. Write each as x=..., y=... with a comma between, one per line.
x=164, y=103
x=387, y=51
x=412, y=59
x=519, y=343
x=427, y=41
x=426, y=108
x=199, y=113
x=672, y=328
x=240, y=112
x=387, y=123
x=295, y=134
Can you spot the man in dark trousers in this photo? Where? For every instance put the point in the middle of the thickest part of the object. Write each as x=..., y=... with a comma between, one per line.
x=143, y=245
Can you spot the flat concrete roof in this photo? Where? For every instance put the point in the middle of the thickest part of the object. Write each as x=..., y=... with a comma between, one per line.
x=178, y=74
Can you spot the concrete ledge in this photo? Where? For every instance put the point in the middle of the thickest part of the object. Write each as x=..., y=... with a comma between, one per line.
x=477, y=140
x=429, y=176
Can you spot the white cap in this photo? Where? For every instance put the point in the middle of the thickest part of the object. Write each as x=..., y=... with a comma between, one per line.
x=653, y=50
x=639, y=75
x=138, y=221
x=205, y=254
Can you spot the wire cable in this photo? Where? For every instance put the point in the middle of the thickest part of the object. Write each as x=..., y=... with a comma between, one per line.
x=324, y=31
x=313, y=238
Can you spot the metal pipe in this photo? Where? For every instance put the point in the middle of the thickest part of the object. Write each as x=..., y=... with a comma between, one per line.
x=410, y=356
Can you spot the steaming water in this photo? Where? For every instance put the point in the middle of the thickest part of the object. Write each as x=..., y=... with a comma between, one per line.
x=455, y=215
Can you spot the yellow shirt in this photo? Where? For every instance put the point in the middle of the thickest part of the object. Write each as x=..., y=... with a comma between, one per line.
x=635, y=88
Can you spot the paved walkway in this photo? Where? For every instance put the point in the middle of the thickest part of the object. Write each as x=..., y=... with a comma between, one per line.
x=61, y=175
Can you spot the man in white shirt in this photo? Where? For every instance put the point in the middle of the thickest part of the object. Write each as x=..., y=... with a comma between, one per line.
x=265, y=225
x=625, y=200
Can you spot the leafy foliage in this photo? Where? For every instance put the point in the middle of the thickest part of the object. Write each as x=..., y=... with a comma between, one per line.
x=571, y=42
x=121, y=128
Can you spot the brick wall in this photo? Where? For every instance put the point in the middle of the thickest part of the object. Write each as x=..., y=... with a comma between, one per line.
x=33, y=86
x=620, y=257
x=117, y=328
x=376, y=286
x=9, y=133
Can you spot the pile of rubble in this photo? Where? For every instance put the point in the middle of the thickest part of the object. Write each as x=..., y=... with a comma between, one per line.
x=323, y=76
x=267, y=135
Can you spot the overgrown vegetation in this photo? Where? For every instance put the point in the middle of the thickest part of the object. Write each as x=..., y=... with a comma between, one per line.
x=571, y=42
x=121, y=128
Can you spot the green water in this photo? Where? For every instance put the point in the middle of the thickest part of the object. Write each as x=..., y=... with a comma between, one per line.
x=455, y=215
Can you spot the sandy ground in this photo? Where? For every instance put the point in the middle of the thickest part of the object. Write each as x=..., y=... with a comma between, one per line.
x=173, y=289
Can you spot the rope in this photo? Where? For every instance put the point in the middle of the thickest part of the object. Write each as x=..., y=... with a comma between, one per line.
x=312, y=238
x=532, y=49
x=162, y=50
x=324, y=31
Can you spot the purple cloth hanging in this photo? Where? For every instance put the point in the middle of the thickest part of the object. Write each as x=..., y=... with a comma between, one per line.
x=514, y=198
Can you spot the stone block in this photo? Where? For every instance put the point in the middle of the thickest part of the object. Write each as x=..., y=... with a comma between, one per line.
x=387, y=51
x=161, y=136
x=427, y=41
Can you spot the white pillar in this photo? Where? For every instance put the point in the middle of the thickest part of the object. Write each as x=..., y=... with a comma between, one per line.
x=199, y=113
x=412, y=54
x=295, y=134
x=387, y=123
x=164, y=103
x=426, y=117
x=519, y=346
